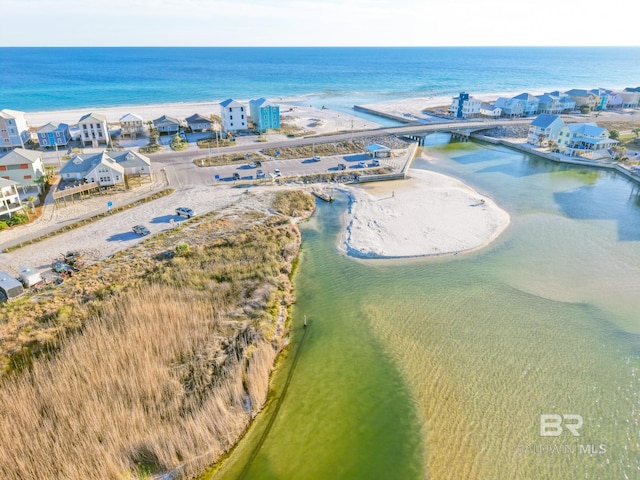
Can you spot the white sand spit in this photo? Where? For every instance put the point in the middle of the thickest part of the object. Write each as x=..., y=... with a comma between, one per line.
x=427, y=214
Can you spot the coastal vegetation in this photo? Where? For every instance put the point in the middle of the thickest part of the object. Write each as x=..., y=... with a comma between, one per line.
x=153, y=360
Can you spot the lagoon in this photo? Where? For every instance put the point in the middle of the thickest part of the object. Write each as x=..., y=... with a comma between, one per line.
x=441, y=368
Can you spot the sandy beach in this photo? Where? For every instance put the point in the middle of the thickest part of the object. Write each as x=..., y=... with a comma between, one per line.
x=427, y=214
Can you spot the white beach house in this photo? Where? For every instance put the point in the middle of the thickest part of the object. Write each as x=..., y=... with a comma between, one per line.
x=9, y=197
x=585, y=139
x=465, y=106
x=94, y=129
x=106, y=168
x=544, y=128
x=234, y=116
x=14, y=130
x=24, y=167
x=131, y=125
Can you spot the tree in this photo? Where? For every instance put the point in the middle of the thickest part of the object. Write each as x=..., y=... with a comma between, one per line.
x=615, y=134
x=31, y=201
x=636, y=130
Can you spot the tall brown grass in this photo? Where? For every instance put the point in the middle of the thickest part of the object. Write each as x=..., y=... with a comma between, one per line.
x=165, y=371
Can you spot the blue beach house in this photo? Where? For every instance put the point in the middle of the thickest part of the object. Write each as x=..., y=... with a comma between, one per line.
x=544, y=128
x=54, y=135
x=265, y=115
x=530, y=103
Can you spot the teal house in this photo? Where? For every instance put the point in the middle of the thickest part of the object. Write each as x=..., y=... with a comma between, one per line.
x=265, y=115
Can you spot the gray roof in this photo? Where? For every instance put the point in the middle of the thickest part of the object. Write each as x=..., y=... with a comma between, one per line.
x=95, y=117
x=7, y=183
x=197, y=118
x=18, y=156
x=52, y=127
x=164, y=120
x=131, y=117
x=86, y=162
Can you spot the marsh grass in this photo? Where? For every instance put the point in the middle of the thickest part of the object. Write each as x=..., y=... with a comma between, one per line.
x=164, y=359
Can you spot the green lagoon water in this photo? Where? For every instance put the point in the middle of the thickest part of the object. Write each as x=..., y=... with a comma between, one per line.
x=440, y=368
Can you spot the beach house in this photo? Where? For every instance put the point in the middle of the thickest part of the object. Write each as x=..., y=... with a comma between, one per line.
x=587, y=139
x=465, y=106
x=14, y=130
x=131, y=125
x=584, y=98
x=199, y=123
x=490, y=110
x=544, y=128
x=511, y=107
x=265, y=115
x=54, y=135
x=567, y=104
x=549, y=104
x=9, y=198
x=24, y=167
x=234, y=116
x=530, y=103
x=167, y=125
x=106, y=168
x=94, y=129
x=630, y=97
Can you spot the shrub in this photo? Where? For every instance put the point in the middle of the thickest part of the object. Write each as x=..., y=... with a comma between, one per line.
x=183, y=249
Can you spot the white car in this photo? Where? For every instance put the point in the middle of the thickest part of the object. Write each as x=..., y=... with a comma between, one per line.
x=277, y=172
x=184, y=212
x=362, y=164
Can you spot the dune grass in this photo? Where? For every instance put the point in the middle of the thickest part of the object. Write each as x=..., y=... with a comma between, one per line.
x=168, y=358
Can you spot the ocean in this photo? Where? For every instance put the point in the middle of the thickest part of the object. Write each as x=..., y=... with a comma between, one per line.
x=44, y=79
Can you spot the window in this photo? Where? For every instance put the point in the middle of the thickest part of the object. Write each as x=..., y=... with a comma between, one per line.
x=27, y=177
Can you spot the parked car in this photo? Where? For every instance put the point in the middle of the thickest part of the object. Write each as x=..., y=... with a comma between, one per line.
x=258, y=163
x=252, y=165
x=236, y=176
x=342, y=166
x=362, y=164
x=141, y=230
x=277, y=172
x=315, y=158
x=259, y=174
x=184, y=212
x=376, y=162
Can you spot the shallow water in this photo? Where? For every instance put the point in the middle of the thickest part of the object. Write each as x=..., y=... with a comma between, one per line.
x=440, y=368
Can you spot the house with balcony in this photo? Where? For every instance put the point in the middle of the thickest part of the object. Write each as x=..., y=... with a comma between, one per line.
x=549, y=104
x=584, y=98
x=465, y=106
x=630, y=98
x=199, y=123
x=544, y=128
x=511, y=107
x=586, y=139
x=24, y=167
x=567, y=103
x=530, y=104
x=167, y=125
x=9, y=198
x=106, y=168
x=94, y=130
x=234, y=116
x=54, y=135
x=14, y=130
x=131, y=125
x=265, y=115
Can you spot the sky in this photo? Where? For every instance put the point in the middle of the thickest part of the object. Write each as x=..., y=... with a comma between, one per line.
x=314, y=23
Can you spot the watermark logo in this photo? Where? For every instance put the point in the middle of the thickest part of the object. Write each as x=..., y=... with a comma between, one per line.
x=553, y=424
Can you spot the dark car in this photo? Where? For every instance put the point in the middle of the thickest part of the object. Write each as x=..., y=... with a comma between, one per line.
x=342, y=166
x=236, y=176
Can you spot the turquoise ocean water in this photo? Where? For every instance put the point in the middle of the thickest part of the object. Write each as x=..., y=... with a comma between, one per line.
x=42, y=79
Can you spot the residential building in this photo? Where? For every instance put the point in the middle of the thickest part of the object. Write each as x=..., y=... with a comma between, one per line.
x=14, y=130
x=529, y=104
x=549, y=104
x=490, y=110
x=106, y=168
x=510, y=107
x=9, y=197
x=265, y=115
x=54, y=135
x=199, y=123
x=584, y=138
x=234, y=116
x=22, y=166
x=131, y=125
x=567, y=103
x=465, y=106
x=94, y=130
x=168, y=125
x=584, y=98
x=544, y=128
x=630, y=98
